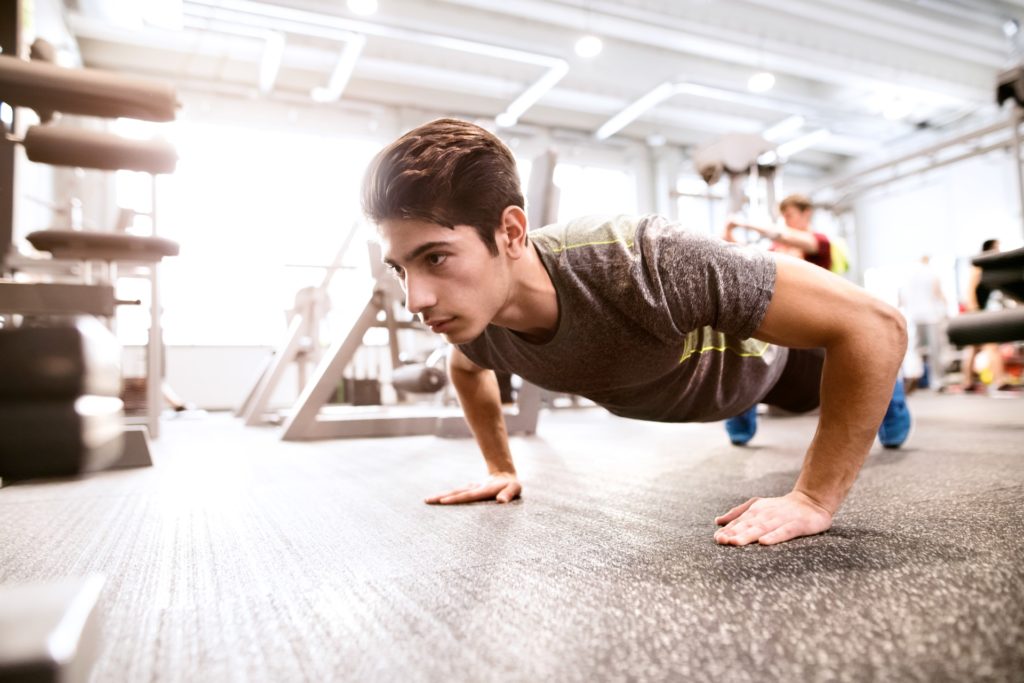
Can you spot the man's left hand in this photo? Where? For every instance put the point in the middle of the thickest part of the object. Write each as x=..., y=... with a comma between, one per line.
x=772, y=520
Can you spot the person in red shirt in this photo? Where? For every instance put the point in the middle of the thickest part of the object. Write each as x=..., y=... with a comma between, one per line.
x=795, y=237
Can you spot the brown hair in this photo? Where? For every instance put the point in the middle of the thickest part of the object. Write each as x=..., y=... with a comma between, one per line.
x=797, y=201
x=447, y=172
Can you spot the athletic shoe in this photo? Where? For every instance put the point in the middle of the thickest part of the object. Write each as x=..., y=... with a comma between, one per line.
x=742, y=427
x=896, y=424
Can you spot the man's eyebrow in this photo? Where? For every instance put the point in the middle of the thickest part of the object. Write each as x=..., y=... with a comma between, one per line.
x=426, y=246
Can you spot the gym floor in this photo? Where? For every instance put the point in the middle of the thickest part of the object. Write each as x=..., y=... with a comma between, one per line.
x=239, y=557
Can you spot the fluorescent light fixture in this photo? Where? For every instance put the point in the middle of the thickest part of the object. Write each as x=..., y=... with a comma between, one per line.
x=342, y=72
x=762, y=81
x=786, y=126
x=788, y=149
x=168, y=14
x=897, y=108
x=270, y=64
x=589, y=47
x=505, y=120
x=635, y=110
x=363, y=8
x=511, y=115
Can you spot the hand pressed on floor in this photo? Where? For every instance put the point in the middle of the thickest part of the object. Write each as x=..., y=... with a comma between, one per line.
x=502, y=487
x=772, y=520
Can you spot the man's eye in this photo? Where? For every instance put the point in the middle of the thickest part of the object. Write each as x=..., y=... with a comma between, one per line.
x=436, y=259
x=395, y=270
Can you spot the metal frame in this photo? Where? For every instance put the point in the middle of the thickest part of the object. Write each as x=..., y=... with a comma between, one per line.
x=867, y=179
x=309, y=419
x=310, y=308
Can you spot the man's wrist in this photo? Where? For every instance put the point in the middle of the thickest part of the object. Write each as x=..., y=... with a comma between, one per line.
x=818, y=501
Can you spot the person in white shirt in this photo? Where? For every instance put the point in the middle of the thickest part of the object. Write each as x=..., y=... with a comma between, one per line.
x=925, y=306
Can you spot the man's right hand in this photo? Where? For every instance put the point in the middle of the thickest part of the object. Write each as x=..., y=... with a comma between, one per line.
x=501, y=486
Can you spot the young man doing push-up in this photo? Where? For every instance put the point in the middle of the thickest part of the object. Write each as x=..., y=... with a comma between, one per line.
x=634, y=313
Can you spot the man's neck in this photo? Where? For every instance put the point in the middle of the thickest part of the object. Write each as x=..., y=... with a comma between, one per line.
x=532, y=306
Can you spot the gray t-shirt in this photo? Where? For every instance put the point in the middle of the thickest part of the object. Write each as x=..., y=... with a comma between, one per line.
x=654, y=322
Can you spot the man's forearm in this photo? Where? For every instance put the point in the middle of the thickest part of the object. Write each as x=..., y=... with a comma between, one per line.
x=480, y=399
x=857, y=384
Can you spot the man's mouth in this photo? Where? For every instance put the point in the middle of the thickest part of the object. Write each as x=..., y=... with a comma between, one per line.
x=438, y=325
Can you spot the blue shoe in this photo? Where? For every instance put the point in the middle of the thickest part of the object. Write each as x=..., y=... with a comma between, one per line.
x=742, y=427
x=896, y=424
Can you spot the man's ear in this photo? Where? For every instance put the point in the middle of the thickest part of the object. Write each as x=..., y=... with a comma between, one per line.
x=513, y=231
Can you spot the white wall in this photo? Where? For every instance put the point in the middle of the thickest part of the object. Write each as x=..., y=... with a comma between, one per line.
x=946, y=213
x=214, y=377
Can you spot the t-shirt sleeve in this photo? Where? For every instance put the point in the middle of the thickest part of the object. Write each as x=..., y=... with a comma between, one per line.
x=705, y=281
x=824, y=256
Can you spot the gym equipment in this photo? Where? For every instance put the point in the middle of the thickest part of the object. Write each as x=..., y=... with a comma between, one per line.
x=738, y=156
x=55, y=299
x=90, y=92
x=59, y=361
x=987, y=327
x=110, y=247
x=67, y=433
x=302, y=342
x=60, y=414
x=79, y=147
x=419, y=379
x=311, y=419
x=50, y=632
x=1002, y=271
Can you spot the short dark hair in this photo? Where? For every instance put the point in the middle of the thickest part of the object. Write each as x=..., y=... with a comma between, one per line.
x=989, y=245
x=448, y=172
x=797, y=201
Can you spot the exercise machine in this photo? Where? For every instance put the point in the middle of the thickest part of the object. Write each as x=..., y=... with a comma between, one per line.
x=1002, y=272
x=64, y=415
x=312, y=418
x=301, y=346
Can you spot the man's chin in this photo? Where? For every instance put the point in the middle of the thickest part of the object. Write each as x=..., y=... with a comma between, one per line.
x=460, y=335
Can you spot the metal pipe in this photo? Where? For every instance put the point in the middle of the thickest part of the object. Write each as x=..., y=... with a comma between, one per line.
x=1018, y=116
x=937, y=164
x=937, y=147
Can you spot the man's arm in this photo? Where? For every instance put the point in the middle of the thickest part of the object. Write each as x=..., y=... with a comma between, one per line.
x=804, y=241
x=480, y=399
x=865, y=341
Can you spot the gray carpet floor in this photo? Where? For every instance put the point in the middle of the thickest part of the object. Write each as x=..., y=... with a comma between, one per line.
x=242, y=558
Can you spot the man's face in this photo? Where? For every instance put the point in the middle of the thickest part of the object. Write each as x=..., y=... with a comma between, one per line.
x=797, y=219
x=450, y=278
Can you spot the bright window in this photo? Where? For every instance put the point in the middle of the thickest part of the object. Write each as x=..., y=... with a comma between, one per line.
x=254, y=212
x=585, y=190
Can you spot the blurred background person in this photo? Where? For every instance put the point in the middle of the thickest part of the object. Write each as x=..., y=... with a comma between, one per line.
x=925, y=306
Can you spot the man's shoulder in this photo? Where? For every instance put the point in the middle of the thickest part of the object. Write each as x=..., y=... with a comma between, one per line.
x=595, y=230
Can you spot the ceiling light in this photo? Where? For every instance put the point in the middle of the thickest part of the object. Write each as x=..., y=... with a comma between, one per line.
x=1011, y=27
x=786, y=126
x=505, y=120
x=656, y=140
x=588, y=47
x=636, y=109
x=762, y=81
x=788, y=149
x=897, y=109
x=362, y=7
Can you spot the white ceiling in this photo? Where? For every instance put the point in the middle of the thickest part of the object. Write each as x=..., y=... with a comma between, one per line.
x=843, y=65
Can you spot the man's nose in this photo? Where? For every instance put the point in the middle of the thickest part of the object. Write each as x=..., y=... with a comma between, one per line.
x=418, y=296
